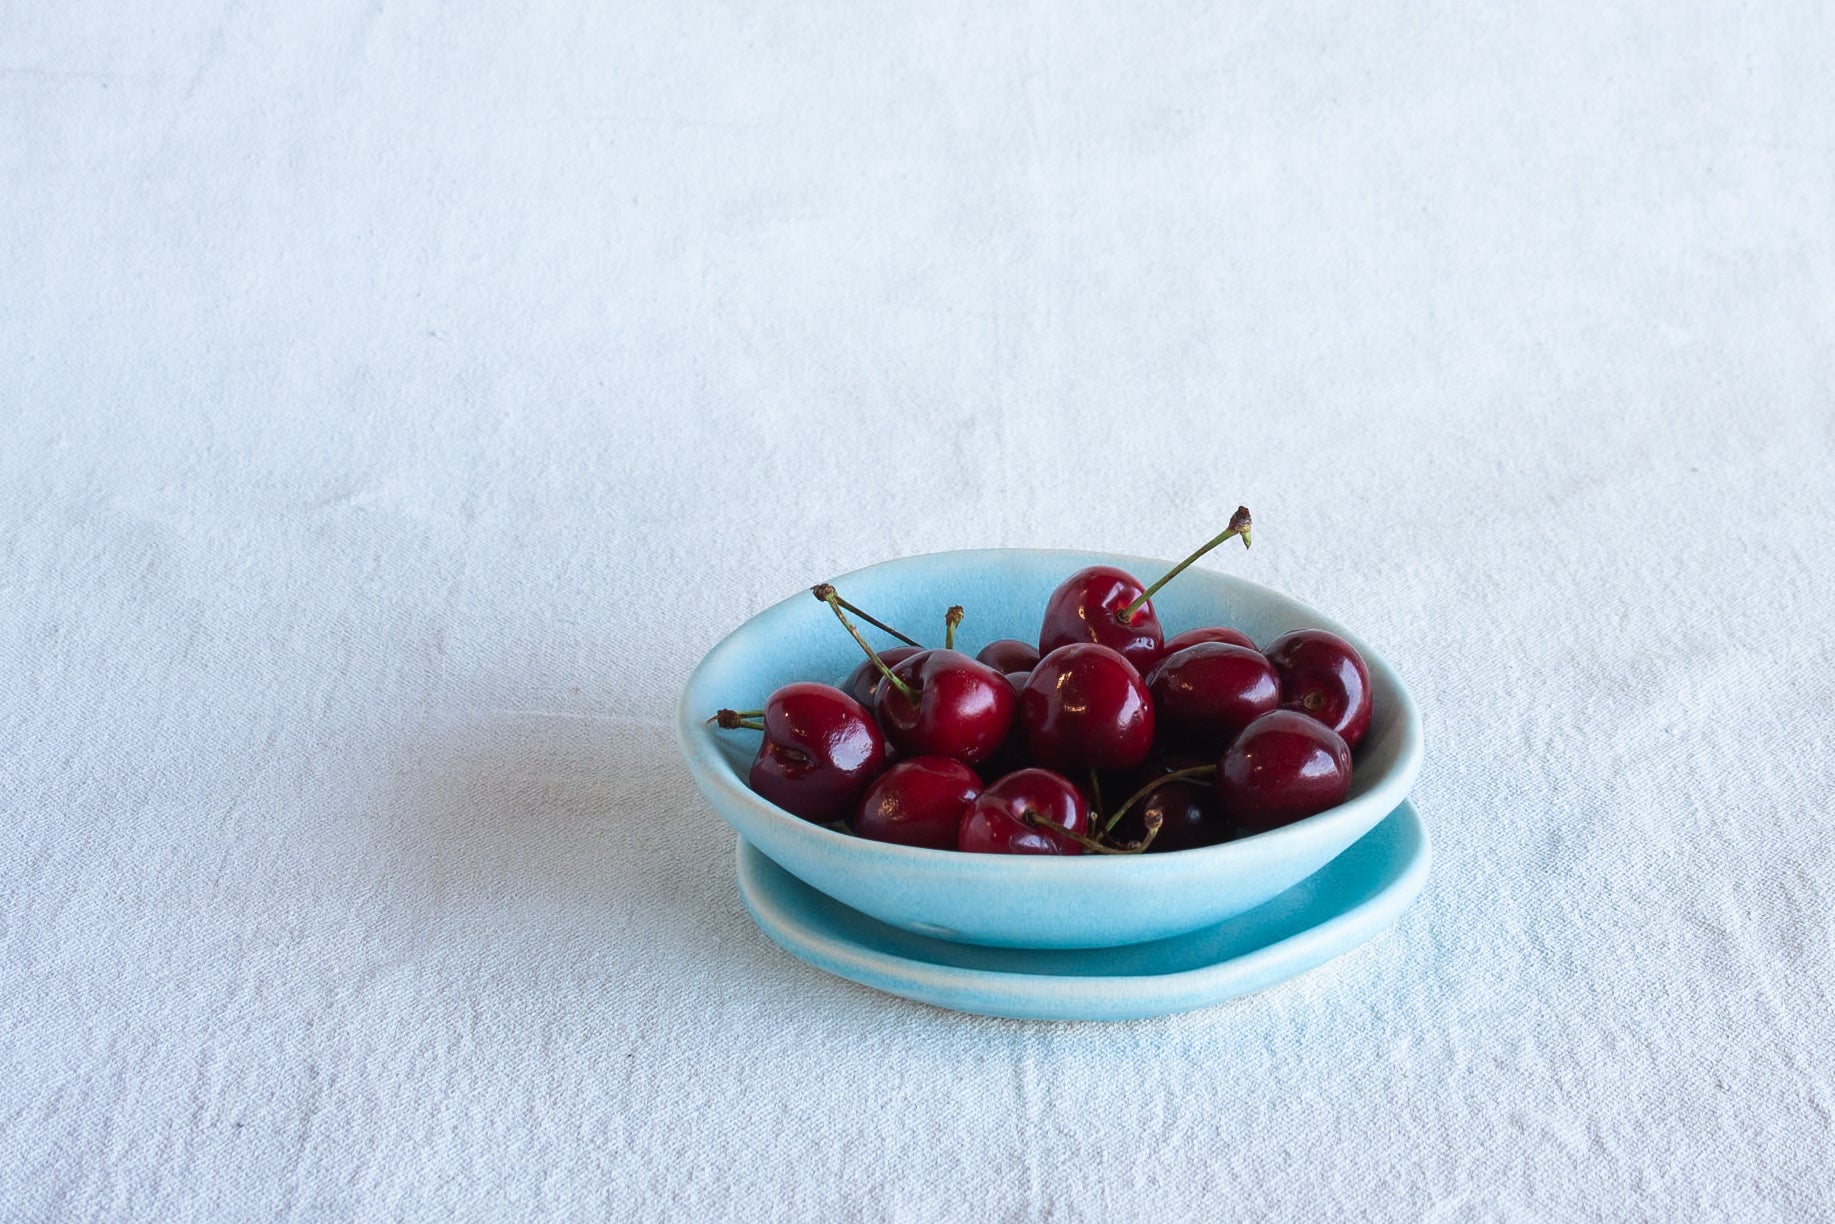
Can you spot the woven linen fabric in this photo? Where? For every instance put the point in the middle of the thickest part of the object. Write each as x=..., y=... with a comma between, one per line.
x=397, y=399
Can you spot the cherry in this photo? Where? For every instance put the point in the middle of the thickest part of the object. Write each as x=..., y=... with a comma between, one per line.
x=996, y=822
x=920, y=802
x=1018, y=680
x=1134, y=792
x=861, y=682
x=936, y=702
x=1109, y=607
x=1009, y=655
x=1284, y=766
x=1087, y=607
x=1085, y=707
x=1211, y=633
x=821, y=749
x=943, y=703
x=1191, y=815
x=1324, y=676
x=1204, y=694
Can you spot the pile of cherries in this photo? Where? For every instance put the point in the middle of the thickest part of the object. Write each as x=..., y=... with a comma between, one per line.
x=1014, y=750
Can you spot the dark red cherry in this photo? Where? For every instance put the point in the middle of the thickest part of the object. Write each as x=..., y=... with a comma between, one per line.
x=1009, y=655
x=1108, y=607
x=1018, y=680
x=1087, y=607
x=920, y=802
x=1284, y=766
x=996, y=822
x=1324, y=676
x=1204, y=694
x=821, y=749
x=962, y=709
x=861, y=682
x=1211, y=633
x=1191, y=815
x=1085, y=708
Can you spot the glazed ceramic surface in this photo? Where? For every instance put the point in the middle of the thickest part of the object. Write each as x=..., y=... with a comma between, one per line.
x=1011, y=900
x=1357, y=896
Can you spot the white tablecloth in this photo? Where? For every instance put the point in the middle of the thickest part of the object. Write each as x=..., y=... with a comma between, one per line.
x=399, y=398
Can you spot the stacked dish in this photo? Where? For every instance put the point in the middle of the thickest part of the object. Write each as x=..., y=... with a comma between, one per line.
x=1090, y=937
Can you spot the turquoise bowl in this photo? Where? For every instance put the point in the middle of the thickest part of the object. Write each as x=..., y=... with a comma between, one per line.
x=1018, y=901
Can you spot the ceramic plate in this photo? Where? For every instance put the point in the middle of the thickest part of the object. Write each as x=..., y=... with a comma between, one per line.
x=1356, y=896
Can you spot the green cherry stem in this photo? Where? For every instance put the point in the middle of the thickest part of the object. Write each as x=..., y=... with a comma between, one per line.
x=951, y=619
x=1154, y=820
x=871, y=620
x=738, y=720
x=826, y=593
x=1196, y=771
x=1239, y=526
x=1095, y=793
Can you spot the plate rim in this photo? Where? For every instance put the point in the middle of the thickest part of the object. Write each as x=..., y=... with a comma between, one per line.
x=1057, y=996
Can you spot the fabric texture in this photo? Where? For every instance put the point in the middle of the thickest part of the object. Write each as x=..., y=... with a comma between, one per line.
x=399, y=398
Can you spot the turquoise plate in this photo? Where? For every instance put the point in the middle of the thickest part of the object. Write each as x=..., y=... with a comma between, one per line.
x=1356, y=896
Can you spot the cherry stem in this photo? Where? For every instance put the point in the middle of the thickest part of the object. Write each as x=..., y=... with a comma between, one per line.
x=818, y=590
x=1177, y=775
x=826, y=594
x=1096, y=792
x=1154, y=820
x=1239, y=526
x=738, y=720
x=951, y=619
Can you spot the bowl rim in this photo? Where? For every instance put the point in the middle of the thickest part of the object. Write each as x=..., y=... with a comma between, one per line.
x=712, y=769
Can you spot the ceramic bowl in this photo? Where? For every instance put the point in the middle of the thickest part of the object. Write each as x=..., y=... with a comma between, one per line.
x=1019, y=901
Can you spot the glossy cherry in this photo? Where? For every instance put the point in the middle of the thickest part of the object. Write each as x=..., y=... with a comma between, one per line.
x=936, y=702
x=1324, y=676
x=1009, y=655
x=863, y=680
x=1109, y=606
x=1085, y=707
x=1284, y=766
x=1210, y=633
x=946, y=704
x=820, y=751
x=920, y=802
x=996, y=822
x=1204, y=694
x=1086, y=608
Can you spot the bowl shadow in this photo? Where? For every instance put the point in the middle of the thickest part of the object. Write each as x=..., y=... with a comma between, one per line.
x=569, y=826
